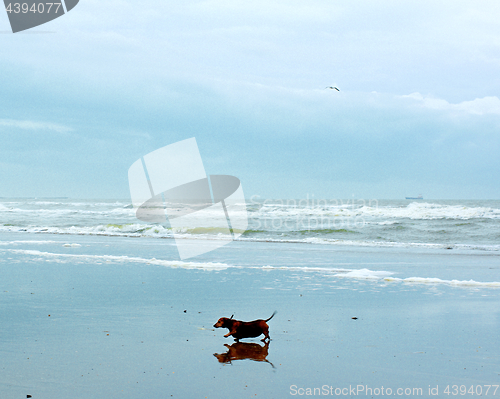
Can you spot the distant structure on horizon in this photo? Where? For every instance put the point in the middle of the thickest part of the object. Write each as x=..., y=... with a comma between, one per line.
x=420, y=196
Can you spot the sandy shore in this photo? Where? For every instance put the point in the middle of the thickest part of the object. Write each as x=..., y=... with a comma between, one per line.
x=119, y=329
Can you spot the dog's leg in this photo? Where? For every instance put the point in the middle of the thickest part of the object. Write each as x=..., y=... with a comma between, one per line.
x=232, y=332
x=265, y=331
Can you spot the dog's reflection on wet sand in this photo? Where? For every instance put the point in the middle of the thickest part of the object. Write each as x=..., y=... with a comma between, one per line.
x=244, y=350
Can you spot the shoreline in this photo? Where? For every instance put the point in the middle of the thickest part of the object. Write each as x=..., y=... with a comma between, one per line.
x=474, y=249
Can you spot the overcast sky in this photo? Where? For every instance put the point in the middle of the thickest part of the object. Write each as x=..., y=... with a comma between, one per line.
x=418, y=112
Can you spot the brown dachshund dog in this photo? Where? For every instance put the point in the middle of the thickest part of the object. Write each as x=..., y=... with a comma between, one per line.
x=244, y=329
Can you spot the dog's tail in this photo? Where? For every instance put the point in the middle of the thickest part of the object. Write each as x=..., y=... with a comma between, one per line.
x=272, y=316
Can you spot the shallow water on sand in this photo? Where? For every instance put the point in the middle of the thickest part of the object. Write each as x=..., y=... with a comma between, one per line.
x=128, y=321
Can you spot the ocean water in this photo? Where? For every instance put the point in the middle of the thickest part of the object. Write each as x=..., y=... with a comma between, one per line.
x=472, y=225
x=322, y=236
x=399, y=294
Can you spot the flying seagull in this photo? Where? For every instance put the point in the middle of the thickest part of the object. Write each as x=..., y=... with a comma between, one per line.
x=332, y=87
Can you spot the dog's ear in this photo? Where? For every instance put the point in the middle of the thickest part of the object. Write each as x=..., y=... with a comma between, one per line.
x=231, y=317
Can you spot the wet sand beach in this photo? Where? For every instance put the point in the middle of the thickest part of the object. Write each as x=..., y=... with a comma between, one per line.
x=80, y=321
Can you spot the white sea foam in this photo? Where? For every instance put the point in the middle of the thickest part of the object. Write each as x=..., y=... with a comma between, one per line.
x=125, y=259
x=356, y=274
x=303, y=269
x=279, y=209
x=69, y=212
x=365, y=274
x=19, y=242
x=361, y=243
x=127, y=229
x=385, y=276
x=455, y=283
x=414, y=210
x=159, y=231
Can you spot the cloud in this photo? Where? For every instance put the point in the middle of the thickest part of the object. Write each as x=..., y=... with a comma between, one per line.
x=478, y=106
x=248, y=81
x=481, y=106
x=32, y=125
